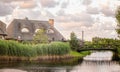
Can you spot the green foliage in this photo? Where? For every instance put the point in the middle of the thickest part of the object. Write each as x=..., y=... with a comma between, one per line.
x=13, y=48
x=54, y=48
x=103, y=43
x=118, y=20
x=79, y=54
x=74, y=43
x=27, y=42
x=40, y=37
x=88, y=44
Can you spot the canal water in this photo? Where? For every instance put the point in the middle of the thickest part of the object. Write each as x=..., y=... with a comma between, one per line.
x=95, y=62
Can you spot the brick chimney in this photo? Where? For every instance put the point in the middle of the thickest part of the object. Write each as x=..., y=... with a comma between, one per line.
x=26, y=18
x=51, y=22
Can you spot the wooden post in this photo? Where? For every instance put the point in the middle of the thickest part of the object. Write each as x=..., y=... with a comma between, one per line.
x=82, y=38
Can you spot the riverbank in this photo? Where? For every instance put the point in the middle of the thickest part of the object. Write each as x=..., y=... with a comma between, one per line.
x=11, y=70
x=72, y=54
x=15, y=51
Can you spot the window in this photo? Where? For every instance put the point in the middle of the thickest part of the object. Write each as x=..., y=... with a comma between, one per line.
x=50, y=31
x=2, y=37
x=19, y=37
x=36, y=30
x=53, y=39
x=25, y=30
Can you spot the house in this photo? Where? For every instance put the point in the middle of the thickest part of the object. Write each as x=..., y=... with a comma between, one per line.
x=2, y=30
x=25, y=29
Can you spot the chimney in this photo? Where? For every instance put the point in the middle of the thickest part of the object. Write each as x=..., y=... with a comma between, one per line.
x=26, y=18
x=51, y=22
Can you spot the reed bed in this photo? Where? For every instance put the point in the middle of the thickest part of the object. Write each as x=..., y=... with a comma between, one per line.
x=54, y=48
x=14, y=48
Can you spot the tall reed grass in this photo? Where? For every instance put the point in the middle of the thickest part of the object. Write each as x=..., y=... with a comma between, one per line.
x=14, y=48
x=54, y=48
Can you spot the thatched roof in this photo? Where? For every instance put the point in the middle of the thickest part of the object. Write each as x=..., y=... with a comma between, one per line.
x=14, y=29
x=2, y=28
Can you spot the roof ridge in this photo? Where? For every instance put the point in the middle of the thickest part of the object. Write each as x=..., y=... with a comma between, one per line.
x=31, y=20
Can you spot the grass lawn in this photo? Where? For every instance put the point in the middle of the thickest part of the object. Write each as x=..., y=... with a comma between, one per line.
x=79, y=54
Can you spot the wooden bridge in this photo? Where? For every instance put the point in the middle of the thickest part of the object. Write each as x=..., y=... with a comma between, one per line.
x=97, y=49
x=114, y=50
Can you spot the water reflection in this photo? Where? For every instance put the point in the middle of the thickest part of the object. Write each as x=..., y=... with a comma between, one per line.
x=49, y=69
x=97, y=66
x=98, y=62
x=99, y=56
x=87, y=65
x=11, y=70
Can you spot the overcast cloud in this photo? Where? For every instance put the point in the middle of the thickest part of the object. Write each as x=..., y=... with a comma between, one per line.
x=95, y=17
x=6, y=9
x=8, y=1
x=28, y=4
x=92, y=10
x=87, y=2
x=48, y=3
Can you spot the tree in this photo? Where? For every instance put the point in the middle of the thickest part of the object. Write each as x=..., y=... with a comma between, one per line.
x=74, y=43
x=40, y=37
x=118, y=20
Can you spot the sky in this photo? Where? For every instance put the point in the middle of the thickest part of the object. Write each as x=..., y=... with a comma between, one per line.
x=95, y=17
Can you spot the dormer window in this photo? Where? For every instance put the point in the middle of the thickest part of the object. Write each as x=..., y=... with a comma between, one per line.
x=25, y=30
x=37, y=30
x=49, y=31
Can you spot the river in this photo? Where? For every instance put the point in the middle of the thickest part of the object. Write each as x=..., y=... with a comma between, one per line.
x=95, y=62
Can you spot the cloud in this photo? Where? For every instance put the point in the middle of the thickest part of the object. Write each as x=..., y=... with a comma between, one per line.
x=6, y=9
x=64, y=4
x=107, y=11
x=22, y=13
x=48, y=3
x=85, y=22
x=8, y=1
x=32, y=14
x=8, y=6
x=28, y=5
x=82, y=17
x=87, y=2
x=23, y=4
x=61, y=12
x=78, y=17
x=108, y=25
x=47, y=14
x=92, y=10
x=72, y=21
x=69, y=16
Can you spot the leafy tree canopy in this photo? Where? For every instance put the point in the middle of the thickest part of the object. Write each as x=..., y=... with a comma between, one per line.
x=40, y=37
x=74, y=43
x=118, y=20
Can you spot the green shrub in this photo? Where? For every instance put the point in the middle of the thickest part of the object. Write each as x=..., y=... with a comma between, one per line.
x=74, y=42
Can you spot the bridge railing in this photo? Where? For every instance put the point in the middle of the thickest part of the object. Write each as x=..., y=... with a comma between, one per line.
x=87, y=49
